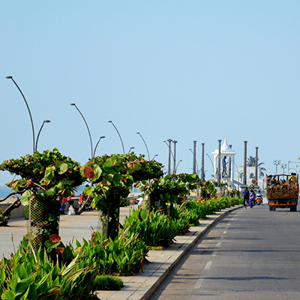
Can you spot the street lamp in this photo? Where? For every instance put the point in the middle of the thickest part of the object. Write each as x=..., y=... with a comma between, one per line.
x=118, y=134
x=177, y=166
x=154, y=157
x=196, y=171
x=145, y=144
x=33, y=135
x=174, y=157
x=37, y=139
x=169, y=160
x=276, y=162
x=101, y=137
x=283, y=166
x=130, y=149
x=92, y=154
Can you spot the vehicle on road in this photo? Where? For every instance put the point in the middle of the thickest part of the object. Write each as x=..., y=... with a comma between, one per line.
x=259, y=199
x=282, y=191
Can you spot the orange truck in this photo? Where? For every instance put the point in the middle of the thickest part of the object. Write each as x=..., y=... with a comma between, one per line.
x=282, y=191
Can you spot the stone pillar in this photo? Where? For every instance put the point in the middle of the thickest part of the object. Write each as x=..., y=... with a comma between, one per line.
x=194, y=158
x=202, y=164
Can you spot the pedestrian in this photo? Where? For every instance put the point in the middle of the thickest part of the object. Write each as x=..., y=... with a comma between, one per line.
x=246, y=197
x=252, y=199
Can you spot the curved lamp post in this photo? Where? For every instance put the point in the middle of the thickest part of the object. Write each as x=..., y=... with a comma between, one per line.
x=130, y=149
x=32, y=126
x=101, y=137
x=73, y=104
x=118, y=134
x=154, y=157
x=210, y=161
x=37, y=139
x=145, y=144
x=177, y=166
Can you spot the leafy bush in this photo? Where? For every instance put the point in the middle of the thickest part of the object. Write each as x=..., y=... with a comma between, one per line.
x=3, y=219
x=108, y=282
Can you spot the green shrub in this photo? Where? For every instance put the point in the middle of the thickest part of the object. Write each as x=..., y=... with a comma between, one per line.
x=3, y=219
x=108, y=282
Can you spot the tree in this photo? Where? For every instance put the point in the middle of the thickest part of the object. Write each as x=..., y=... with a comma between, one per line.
x=112, y=176
x=45, y=179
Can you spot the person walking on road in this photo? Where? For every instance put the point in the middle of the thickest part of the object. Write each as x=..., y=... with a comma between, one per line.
x=246, y=197
x=252, y=199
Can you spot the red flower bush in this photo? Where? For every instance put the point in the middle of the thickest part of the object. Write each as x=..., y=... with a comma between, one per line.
x=54, y=238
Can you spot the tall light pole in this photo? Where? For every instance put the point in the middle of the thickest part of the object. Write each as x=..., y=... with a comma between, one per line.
x=169, y=157
x=154, y=157
x=283, y=166
x=197, y=168
x=202, y=164
x=144, y=143
x=245, y=163
x=256, y=163
x=211, y=161
x=37, y=139
x=177, y=166
x=101, y=137
x=32, y=126
x=219, y=171
x=276, y=162
x=194, y=158
x=131, y=148
x=118, y=134
x=174, y=158
x=91, y=142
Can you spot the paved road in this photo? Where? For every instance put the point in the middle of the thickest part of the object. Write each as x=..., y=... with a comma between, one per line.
x=250, y=254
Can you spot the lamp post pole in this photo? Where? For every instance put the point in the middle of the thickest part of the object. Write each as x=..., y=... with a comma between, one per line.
x=174, y=158
x=154, y=157
x=219, y=171
x=101, y=137
x=245, y=162
x=130, y=149
x=194, y=158
x=202, y=164
x=145, y=144
x=276, y=162
x=177, y=166
x=91, y=142
x=118, y=134
x=169, y=157
x=256, y=163
x=32, y=126
x=37, y=139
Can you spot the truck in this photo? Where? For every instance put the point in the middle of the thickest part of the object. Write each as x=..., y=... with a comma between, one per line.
x=282, y=191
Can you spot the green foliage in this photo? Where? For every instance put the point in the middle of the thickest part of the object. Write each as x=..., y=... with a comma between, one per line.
x=113, y=176
x=108, y=282
x=169, y=190
x=154, y=228
x=33, y=275
x=45, y=178
x=3, y=219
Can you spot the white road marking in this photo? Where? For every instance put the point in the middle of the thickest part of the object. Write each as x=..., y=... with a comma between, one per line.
x=219, y=244
x=225, y=232
x=208, y=265
x=215, y=253
x=198, y=283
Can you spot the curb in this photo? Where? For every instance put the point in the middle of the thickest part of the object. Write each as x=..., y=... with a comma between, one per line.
x=143, y=285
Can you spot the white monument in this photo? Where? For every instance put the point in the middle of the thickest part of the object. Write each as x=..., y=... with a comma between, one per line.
x=227, y=163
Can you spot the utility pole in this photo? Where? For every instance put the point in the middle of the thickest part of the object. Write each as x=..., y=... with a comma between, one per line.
x=202, y=164
x=256, y=163
x=276, y=162
x=194, y=159
x=169, y=161
x=219, y=170
x=174, y=158
x=245, y=161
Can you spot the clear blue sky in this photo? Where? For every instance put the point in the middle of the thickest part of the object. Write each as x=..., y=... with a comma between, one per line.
x=185, y=70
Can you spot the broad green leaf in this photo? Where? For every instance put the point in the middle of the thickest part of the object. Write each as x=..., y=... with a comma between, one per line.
x=8, y=295
x=26, y=197
x=116, y=179
x=63, y=168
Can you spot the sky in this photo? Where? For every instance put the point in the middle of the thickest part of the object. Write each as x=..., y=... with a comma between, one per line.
x=182, y=70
